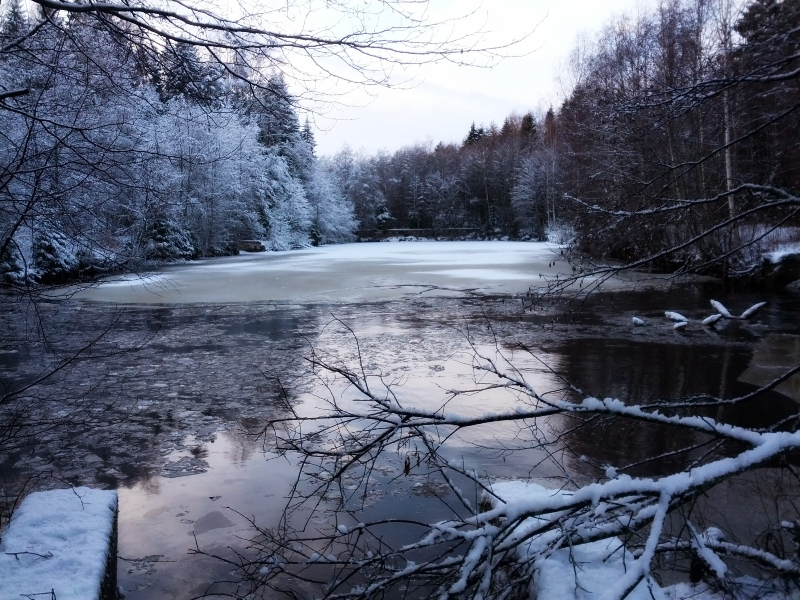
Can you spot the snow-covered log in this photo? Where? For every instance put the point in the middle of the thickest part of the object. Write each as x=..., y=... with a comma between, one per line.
x=720, y=308
x=710, y=321
x=752, y=310
x=675, y=316
x=61, y=544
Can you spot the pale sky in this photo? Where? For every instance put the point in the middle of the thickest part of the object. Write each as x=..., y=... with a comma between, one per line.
x=448, y=98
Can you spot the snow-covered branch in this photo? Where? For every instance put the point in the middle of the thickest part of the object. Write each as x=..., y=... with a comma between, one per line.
x=518, y=530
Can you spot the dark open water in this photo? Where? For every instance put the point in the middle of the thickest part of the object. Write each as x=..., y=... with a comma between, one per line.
x=166, y=394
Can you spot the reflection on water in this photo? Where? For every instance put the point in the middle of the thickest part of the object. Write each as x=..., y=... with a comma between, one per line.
x=179, y=459
x=772, y=357
x=640, y=372
x=161, y=518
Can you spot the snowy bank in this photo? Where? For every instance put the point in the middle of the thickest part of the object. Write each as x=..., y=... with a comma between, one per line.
x=777, y=256
x=64, y=542
x=781, y=267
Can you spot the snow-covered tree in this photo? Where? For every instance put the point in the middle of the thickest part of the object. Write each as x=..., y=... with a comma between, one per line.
x=184, y=74
x=332, y=217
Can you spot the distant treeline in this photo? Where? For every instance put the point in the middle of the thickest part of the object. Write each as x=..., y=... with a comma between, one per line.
x=679, y=140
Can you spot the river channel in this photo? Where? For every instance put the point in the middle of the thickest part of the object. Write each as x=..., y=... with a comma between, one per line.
x=176, y=372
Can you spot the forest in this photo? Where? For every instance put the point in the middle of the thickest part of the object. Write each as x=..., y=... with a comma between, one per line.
x=676, y=145
x=111, y=160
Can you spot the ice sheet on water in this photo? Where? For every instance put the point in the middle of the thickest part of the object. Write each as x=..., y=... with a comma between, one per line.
x=133, y=280
x=418, y=254
x=481, y=274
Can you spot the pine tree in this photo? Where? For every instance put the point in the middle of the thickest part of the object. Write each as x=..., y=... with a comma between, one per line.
x=279, y=129
x=527, y=127
x=308, y=135
x=550, y=129
x=277, y=118
x=185, y=75
x=475, y=135
x=14, y=23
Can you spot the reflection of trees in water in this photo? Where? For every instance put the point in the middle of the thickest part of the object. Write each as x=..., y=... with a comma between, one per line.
x=644, y=373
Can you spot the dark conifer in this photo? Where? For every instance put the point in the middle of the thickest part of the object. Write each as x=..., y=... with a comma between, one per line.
x=185, y=75
x=14, y=22
x=527, y=127
x=475, y=135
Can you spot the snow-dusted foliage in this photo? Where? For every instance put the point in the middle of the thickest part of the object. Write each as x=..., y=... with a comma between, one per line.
x=54, y=255
x=285, y=212
x=332, y=217
x=141, y=162
x=12, y=267
x=529, y=197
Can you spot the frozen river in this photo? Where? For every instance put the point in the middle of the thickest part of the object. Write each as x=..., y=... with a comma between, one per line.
x=344, y=273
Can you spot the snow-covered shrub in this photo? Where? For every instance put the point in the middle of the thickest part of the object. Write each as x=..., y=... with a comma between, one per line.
x=54, y=257
x=383, y=217
x=559, y=233
x=165, y=239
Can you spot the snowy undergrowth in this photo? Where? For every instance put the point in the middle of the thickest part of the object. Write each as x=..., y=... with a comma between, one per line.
x=782, y=252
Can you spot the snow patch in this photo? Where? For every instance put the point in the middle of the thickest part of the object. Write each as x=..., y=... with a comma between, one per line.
x=58, y=540
x=134, y=280
x=778, y=255
x=675, y=316
x=720, y=308
x=577, y=573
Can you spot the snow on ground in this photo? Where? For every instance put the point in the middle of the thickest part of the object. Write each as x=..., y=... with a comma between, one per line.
x=133, y=280
x=58, y=540
x=778, y=255
x=346, y=272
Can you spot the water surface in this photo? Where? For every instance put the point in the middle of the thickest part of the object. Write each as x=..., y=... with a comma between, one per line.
x=174, y=388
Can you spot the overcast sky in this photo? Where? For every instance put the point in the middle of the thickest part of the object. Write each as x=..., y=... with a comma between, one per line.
x=447, y=99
